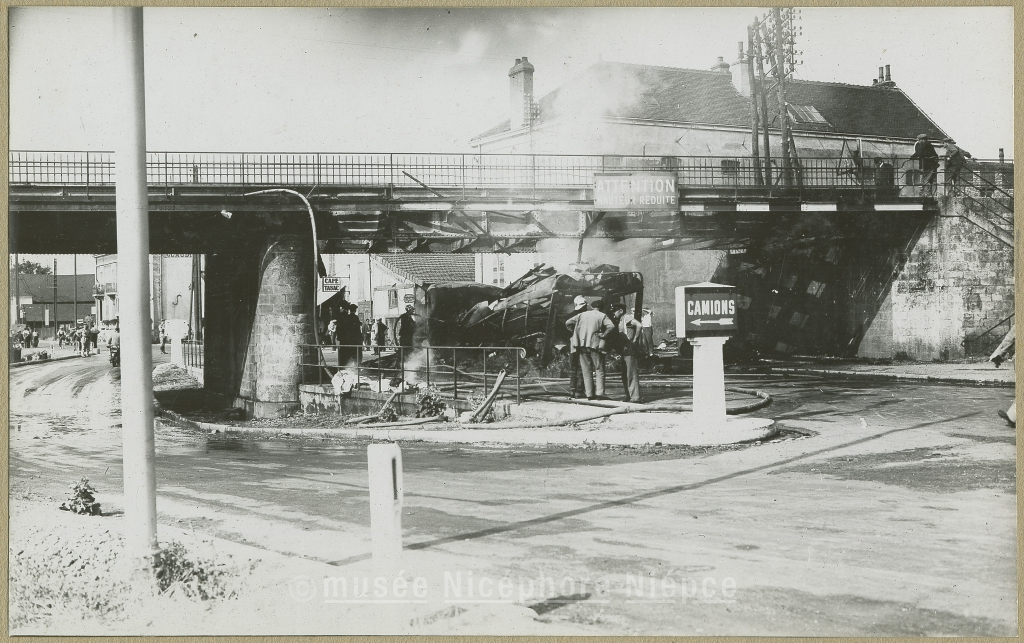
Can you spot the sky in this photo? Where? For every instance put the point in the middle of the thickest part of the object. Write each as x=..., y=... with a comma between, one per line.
x=428, y=80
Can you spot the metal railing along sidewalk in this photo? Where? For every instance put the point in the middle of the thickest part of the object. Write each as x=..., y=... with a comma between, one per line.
x=193, y=353
x=469, y=368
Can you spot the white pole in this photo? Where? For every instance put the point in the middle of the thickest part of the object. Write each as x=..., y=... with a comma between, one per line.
x=708, y=379
x=133, y=290
x=384, y=465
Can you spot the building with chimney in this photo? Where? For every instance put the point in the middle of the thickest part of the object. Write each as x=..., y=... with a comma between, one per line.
x=642, y=110
x=928, y=293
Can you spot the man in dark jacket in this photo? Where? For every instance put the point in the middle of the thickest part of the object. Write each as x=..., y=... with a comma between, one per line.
x=924, y=151
x=406, y=327
x=956, y=159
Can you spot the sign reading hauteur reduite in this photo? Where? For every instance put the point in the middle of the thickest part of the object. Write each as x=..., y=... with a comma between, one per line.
x=635, y=192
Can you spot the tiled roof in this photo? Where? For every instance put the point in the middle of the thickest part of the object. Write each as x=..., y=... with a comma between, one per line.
x=431, y=268
x=669, y=94
x=40, y=288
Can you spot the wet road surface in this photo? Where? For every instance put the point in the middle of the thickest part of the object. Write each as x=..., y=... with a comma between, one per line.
x=859, y=529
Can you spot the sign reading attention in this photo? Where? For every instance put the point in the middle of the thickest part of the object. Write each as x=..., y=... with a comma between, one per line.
x=636, y=192
x=704, y=310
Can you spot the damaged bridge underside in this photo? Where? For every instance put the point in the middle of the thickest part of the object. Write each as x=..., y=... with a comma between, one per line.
x=260, y=260
x=212, y=218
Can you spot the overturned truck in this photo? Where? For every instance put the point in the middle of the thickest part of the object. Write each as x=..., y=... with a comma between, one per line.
x=530, y=312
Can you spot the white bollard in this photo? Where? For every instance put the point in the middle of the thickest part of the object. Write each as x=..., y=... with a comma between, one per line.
x=384, y=464
x=708, y=379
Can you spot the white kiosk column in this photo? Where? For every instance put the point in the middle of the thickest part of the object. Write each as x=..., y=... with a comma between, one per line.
x=708, y=378
x=706, y=317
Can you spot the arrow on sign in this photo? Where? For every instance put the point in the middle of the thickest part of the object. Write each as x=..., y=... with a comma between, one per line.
x=725, y=321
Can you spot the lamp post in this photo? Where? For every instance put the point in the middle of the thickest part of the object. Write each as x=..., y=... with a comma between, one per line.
x=132, y=200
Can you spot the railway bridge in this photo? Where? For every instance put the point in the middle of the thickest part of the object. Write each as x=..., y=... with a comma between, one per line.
x=257, y=238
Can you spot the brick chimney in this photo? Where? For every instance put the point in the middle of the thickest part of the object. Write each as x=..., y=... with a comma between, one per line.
x=720, y=65
x=521, y=93
x=740, y=75
x=884, y=80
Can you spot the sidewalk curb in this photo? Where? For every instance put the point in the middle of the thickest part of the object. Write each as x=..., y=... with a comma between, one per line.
x=29, y=362
x=889, y=377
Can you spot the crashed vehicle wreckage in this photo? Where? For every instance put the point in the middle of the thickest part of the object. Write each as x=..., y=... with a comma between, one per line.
x=530, y=312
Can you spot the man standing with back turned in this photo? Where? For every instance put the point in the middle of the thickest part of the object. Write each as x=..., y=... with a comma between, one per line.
x=589, y=330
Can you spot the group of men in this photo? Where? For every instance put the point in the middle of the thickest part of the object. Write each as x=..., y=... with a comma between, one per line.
x=595, y=333
x=82, y=338
x=956, y=160
x=344, y=329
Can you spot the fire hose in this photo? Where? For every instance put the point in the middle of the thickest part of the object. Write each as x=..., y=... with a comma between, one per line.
x=481, y=411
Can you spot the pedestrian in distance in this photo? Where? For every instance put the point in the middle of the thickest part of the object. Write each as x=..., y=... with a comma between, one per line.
x=627, y=333
x=575, y=371
x=380, y=335
x=929, y=158
x=956, y=160
x=35, y=338
x=332, y=331
x=406, y=327
x=589, y=330
x=94, y=337
x=885, y=177
x=86, y=349
x=349, y=334
x=647, y=333
x=164, y=340
x=114, y=346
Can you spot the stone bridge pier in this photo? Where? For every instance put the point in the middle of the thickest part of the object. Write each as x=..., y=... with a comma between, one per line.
x=259, y=313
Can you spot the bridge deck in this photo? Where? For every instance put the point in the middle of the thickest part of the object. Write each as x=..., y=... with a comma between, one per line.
x=441, y=202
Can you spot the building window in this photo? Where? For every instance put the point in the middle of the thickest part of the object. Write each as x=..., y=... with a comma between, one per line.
x=806, y=114
x=392, y=299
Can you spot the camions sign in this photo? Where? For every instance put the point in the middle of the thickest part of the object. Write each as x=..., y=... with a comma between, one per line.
x=636, y=192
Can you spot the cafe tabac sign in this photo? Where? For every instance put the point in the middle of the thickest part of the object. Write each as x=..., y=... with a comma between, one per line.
x=635, y=192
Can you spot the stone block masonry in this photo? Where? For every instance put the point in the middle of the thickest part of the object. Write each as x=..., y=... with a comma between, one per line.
x=957, y=283
x=283, y=321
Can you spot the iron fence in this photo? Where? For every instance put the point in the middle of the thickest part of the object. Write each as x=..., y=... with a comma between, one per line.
x=449, y=368
x=985, y=342
x=460, y=171
x=193, y=353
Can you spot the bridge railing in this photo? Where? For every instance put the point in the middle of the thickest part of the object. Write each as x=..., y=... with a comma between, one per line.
x=456, y=171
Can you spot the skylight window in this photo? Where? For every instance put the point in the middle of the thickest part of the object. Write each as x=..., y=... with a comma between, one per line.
x=806, y=114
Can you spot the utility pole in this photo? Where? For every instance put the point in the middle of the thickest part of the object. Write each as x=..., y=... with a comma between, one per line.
x=133, y=290
x=755, y=151
x=55, y=297
x=762, y=91
x=780, y=75
x=17, y=290
x=75, y=320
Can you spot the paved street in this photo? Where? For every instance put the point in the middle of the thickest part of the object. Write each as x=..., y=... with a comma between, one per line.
x=886, y=509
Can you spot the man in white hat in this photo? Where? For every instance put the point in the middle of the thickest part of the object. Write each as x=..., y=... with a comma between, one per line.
x=589, y=331
x=575, y=376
